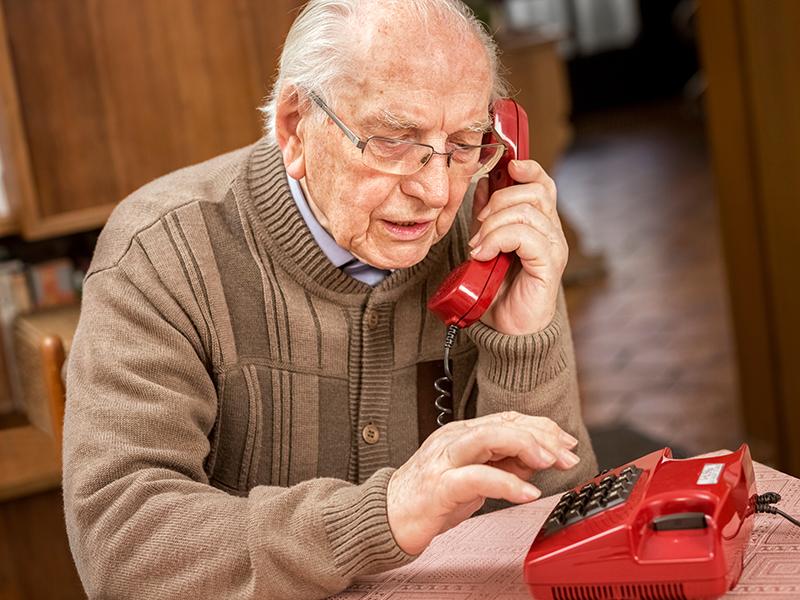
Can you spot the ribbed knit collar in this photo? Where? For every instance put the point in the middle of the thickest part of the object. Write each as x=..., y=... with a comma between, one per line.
x=289, y=241
x=336, y=254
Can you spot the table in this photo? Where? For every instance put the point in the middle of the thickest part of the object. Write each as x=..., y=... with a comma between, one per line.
x=482, y=558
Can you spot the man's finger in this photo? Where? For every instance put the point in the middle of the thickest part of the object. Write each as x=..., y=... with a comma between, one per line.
x=535, y=422
x=522, y=214
x=514, y=466
x=548, y=439
x=535, y=193
x=546, y=434
x=525, y=171
x=496, y=442
x=534, y=248
x=468, y=483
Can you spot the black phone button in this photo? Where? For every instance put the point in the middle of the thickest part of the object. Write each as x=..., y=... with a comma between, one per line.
x=574, y=514
x=597, y=495
x=553, y=524
x=592, y=505
x=687, y=520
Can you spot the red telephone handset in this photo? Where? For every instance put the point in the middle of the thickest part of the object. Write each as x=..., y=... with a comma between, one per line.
x=470, y=288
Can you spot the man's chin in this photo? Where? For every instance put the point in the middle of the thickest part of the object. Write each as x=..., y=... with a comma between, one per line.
x=398, y=260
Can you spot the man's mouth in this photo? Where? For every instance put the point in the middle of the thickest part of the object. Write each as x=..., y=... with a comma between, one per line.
x=407, y=230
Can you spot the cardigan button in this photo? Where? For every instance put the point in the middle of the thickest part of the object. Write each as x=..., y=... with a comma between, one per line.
x=372, y=319
x=371, y=433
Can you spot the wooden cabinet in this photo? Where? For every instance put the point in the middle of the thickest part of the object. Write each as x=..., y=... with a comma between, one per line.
x=98, y=97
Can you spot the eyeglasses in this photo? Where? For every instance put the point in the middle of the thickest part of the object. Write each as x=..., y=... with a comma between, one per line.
x=402, y=157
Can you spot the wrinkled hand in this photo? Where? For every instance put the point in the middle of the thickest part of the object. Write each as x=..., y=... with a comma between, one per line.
x=465, y=462
x=522, y=219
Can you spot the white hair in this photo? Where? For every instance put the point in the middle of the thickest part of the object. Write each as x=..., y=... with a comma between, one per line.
x=316, y=54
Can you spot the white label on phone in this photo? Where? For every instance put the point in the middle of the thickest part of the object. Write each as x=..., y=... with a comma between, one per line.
x=710, y=473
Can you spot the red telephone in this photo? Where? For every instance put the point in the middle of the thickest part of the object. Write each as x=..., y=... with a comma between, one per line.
x=470, y=288
x=656, y=528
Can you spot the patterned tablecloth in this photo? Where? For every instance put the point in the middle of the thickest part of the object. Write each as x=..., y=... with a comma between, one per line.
x=482, y=558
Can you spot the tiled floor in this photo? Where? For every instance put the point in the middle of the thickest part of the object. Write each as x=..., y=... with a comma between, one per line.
x=653, y=339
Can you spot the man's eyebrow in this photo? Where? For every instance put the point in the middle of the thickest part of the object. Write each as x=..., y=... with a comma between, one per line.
x=390, y=120
x=479, y=126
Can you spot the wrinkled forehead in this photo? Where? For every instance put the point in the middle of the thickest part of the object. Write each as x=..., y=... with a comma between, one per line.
x=408, y=63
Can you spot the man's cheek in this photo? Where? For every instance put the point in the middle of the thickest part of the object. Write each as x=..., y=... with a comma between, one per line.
x=443, y=224
x=452, y=210
x=353, y=219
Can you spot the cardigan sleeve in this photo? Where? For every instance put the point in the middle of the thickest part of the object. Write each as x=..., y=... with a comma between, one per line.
x=142, y=519
x=535, y=375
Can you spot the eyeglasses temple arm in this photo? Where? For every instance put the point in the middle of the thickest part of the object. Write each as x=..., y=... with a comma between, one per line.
x=350, y=135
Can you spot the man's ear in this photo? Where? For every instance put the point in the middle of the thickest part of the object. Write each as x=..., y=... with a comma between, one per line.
x=289, y=112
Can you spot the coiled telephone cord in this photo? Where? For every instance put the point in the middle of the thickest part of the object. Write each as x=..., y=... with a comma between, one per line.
x=764, y=504
x=444, y=385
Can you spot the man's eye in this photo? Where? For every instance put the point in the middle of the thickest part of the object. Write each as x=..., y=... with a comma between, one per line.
x=468, y=139
x=389, y=148
x=465, y=154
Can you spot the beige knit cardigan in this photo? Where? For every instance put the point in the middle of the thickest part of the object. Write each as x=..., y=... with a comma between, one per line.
x=221, y=377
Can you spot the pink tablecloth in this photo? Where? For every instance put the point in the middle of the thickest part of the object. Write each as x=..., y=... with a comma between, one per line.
x=481, y=559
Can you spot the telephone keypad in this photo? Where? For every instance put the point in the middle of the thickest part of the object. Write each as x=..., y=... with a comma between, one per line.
x=591, y=498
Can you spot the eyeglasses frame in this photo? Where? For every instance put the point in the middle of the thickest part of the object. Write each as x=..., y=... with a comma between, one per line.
x=362, y=144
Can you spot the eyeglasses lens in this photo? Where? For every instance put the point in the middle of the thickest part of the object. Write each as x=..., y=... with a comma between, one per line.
x=399, y=157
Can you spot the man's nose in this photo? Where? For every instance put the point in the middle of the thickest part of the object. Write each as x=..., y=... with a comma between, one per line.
x=435, y=181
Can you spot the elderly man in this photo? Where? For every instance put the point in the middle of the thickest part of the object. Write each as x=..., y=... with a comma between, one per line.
x=249, y=383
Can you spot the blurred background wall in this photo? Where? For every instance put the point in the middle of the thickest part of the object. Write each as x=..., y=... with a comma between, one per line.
x=678, y=187
x=671, y=127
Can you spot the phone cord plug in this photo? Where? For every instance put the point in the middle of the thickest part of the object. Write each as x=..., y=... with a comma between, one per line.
x=444, y=385
x=764, y=504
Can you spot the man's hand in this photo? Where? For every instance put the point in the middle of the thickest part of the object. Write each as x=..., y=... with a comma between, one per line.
x=465, y=462
x=522, y=219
